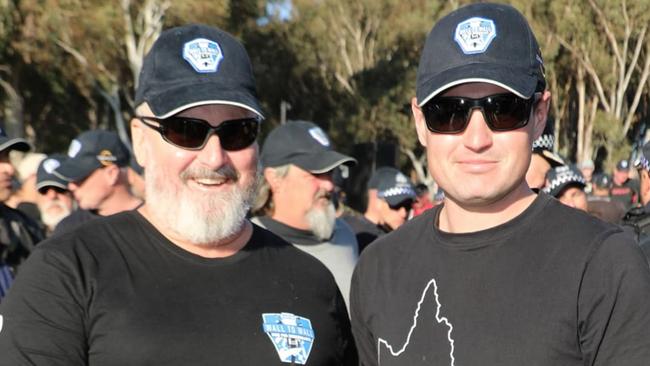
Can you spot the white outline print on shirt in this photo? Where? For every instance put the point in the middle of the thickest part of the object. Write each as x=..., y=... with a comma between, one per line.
x=439, y=319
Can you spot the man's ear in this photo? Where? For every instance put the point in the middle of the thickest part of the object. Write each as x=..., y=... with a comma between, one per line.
x=112, y=173
x=272, y=178
x=138, y=141
x=540, y=114
x=420, y=124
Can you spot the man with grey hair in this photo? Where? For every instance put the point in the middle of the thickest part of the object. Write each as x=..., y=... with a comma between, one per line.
x=295, y=200
x=185, y=279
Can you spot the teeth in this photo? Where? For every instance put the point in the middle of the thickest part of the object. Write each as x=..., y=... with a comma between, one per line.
x=207, y=181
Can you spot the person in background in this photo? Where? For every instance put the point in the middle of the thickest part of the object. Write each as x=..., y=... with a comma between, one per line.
x=567, y=184
x=25, y=196
x=600, y=203
x=19, y=234
x=185, y=279
x=637, y=219
x=423, y=200
x=295, y=198
x=96, y=172
x=624, y=189
x=543, y=158
x=587, y=169
x=54, y=200
x=387, y=209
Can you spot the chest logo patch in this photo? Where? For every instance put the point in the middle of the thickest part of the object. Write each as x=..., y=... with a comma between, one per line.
x=292, y=336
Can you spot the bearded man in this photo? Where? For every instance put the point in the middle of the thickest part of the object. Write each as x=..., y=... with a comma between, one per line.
x=185, y=279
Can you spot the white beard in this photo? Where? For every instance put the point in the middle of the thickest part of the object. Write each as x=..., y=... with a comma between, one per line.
x=52, y=219
x=322, y=221
x=200, y=218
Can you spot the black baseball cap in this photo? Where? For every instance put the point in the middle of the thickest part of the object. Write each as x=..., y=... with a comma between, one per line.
x=393, y=186
x=490, y=43
x=303, y=144
x=623, y=164
x=602, y=180
x=90, y=151
x=562, y=177
x=45, y=176
x=16, y=143
x=196, y=65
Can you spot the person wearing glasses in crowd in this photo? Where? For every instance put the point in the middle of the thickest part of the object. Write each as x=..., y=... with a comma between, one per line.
x=54, y=200
x=185, y=279
x=496, y=274
x=390, y=200
x=295, y=199
x=96, y=171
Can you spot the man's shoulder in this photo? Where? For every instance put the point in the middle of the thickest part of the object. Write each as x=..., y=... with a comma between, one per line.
x=14, y=217
x=72, y=221
x=95, y=230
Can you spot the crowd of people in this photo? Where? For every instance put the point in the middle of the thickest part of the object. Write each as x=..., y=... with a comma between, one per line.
x=198, y=244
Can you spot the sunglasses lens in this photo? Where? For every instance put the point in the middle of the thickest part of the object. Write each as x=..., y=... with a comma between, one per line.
x=238, y=134
x=507, y=112
x=445, y=115
x=185, y=132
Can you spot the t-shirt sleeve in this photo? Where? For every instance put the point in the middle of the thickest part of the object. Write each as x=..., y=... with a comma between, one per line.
x=613, y=312
x=42, y=319
x=363, y=337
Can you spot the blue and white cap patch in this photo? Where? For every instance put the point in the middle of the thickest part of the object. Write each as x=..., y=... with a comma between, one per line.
x=319, y=135
x=203, y=55
x=291, y=335
x=75, y=147
x=474, y=35
x=50, y=165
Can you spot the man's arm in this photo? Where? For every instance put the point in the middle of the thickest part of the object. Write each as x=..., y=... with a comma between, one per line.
x=43, y=316
x=613, y=305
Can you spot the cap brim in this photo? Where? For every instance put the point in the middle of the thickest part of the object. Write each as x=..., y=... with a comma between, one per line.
x=177, y=99
x=396, y=200
x=51, y=183
x=75, y=170
x=18, y=143
x=516, y=81
x=322, y=162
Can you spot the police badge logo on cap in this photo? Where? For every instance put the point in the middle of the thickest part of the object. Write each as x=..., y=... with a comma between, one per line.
x=196, y=65
x=45, y=176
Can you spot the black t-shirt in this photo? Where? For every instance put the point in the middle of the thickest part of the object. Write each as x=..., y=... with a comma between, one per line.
x=117, y=292
x=554, y=286
x=72, y=221
x=365, y=230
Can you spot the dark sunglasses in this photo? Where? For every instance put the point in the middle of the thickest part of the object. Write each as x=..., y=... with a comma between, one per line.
x=406, y=204
x=193, y=133
x=59, y=190
x=502, y=112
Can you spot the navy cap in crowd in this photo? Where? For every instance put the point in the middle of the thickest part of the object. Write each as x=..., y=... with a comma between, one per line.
x=90, y=151
x=623, y=164
x=490, y=43
x=602, y=180
x=544, y=144
x=196, y=65
x=303, y=144
x=562, y=177
x=393, y=186
x=45, y=176
x=15, y=143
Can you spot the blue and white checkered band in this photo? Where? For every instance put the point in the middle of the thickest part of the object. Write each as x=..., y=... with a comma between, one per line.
x=203, y=55
x=643, y=163
x=399, y=190
x=474, y=35
x=564, y=175
x=544, y=142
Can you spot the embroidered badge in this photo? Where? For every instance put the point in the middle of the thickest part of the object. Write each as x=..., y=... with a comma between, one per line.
x=292, y=336
x=203, y=55
x=74, y=148
x=50, y=165
x=475, y=35
x=106, y=157
x=319, y=135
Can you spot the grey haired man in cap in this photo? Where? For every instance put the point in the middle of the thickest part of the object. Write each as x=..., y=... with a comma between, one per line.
x=96, y=171
x=185, y=279
x=54, y=200
x=496, y=274
x=18, y=233
x=295, y=198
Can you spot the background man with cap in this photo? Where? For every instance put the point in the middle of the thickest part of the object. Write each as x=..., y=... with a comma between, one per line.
x=496, y=274
x=96, y=172
x=587, y=168
x=543, y=158
x=600, y=203
x=624, y=189
x=567, y=184
x=186, y=279
x=18, y=233
x=295, y=198
x=637, y=219
x=388, y=208
x=54, y=200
